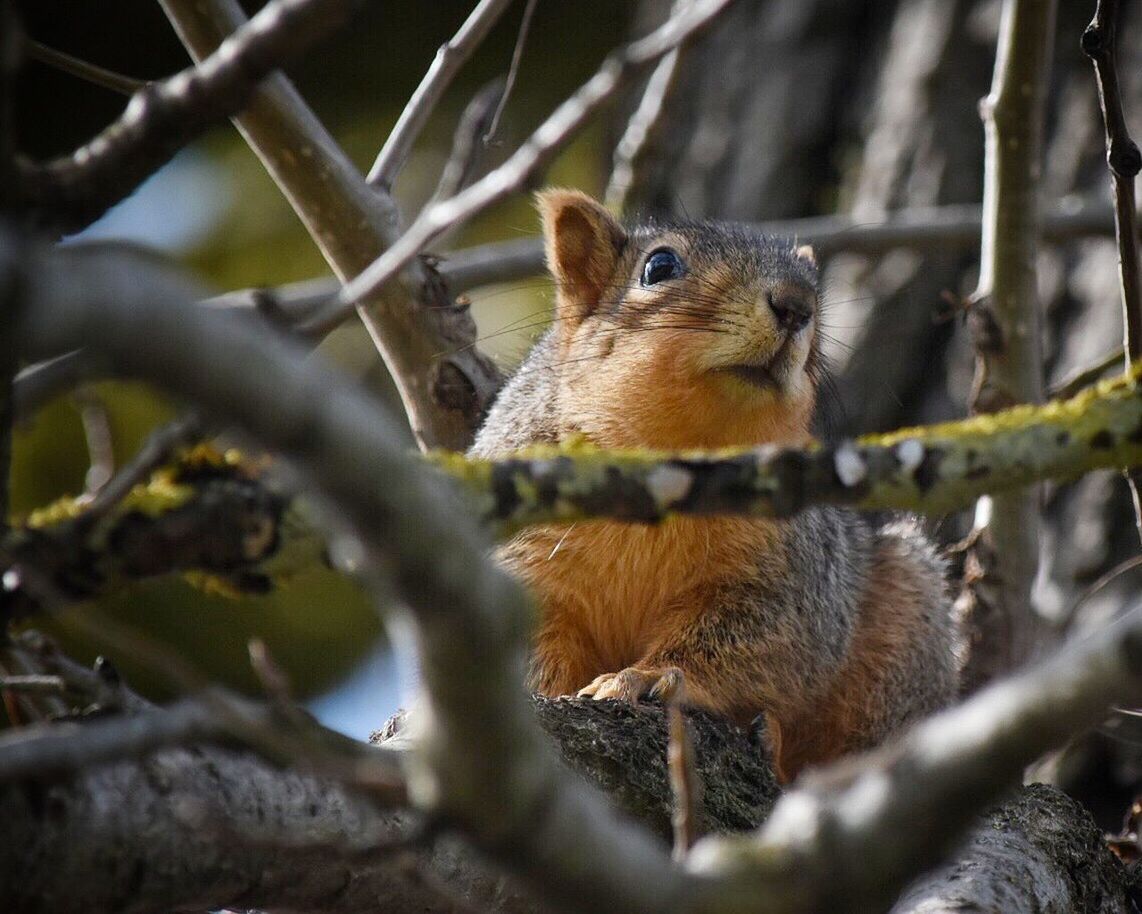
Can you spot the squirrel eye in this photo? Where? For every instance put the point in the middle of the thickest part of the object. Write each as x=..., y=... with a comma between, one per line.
x=660, y=266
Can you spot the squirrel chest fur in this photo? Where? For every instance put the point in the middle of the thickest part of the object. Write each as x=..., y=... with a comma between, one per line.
x=703, y=336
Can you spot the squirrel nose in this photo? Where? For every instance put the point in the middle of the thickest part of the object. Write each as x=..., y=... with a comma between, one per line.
x=792, y=311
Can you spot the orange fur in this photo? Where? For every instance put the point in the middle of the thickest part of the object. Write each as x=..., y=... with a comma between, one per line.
x=705, y=358
x=608, y=588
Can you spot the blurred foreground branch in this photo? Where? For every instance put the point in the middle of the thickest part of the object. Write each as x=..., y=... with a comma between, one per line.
x=478, y=761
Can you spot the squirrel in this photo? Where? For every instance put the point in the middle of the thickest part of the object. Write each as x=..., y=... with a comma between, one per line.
x=705, y=335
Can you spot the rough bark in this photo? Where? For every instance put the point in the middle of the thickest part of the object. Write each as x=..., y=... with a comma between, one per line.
x=205, y=827
x=1038, y=853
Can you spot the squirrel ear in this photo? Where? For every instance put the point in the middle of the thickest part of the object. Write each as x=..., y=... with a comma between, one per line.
x=583, y=243
x=805, y=252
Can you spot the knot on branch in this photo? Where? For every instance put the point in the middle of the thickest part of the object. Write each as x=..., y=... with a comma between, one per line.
x=1124, y=158
x=1096, y=40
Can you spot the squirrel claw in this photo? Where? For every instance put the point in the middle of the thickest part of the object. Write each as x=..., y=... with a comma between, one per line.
x=630, y=685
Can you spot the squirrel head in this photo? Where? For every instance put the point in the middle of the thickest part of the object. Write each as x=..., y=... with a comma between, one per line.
x=679, y=335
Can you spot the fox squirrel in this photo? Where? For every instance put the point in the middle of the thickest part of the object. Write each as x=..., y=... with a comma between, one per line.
x=704, y=335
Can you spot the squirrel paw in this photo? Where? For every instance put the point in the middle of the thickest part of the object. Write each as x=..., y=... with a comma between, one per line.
x=629, y=685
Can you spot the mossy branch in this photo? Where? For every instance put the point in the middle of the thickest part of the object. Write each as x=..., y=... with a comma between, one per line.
x=932, y=469
x=210, y=516
x=207, y=516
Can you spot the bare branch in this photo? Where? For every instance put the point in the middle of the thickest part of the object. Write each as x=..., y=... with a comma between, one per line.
x=1122, y=156
x=448, y=61
x=88, y=72
x=944, y=227
x=466, y=142
x=685, y=787
x=1085, y=377
x=156, y=450
x=640, y=129
x=162, y=117
x=207, y=516
x=100, y=446
x=51, y=685
x=1125, y=162
x=426, y=340
x=1006, y=324
x=69, y=746
x=536, y=152
x=513, y=71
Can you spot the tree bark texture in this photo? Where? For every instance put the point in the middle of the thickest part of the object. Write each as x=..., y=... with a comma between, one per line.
x=206, y=827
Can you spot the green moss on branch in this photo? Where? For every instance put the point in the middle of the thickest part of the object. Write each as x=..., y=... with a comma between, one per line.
x=933, y=469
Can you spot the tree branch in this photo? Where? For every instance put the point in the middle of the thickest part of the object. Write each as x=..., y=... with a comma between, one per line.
x=82, y=69
x=449, y=59
x=467, y=143
x=1006, y=327
x=73, y=191
x=1125, y=162
x=850, y=837
x=932, y=469
x=536, y=152
x=641, y=129
x=921, y=228
x=204, y=514
x=426, y=340
x=222, y=520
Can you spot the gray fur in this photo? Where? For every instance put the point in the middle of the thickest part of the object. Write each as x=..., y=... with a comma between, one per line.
x=524, y=413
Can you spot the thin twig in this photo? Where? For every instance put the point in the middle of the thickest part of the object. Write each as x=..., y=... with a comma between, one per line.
x=303, y=741
x=685, y=786
x=100, y=444
x=275, y=683
x=535, y=153
x=449, y=59
x=1085, y=377
x=944, y=227
x=74, y=190
x=37, y=385
x=88, y=72
x=1104, y=581
x=640, y=130
x=1125, y=161
x=33, y=683
x=156, y=450
x=513, y=71
x=466, y=146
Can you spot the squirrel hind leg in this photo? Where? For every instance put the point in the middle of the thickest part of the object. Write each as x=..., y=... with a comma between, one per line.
x=902, y=663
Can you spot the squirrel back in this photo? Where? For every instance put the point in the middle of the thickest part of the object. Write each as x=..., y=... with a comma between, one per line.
x=705, y=335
